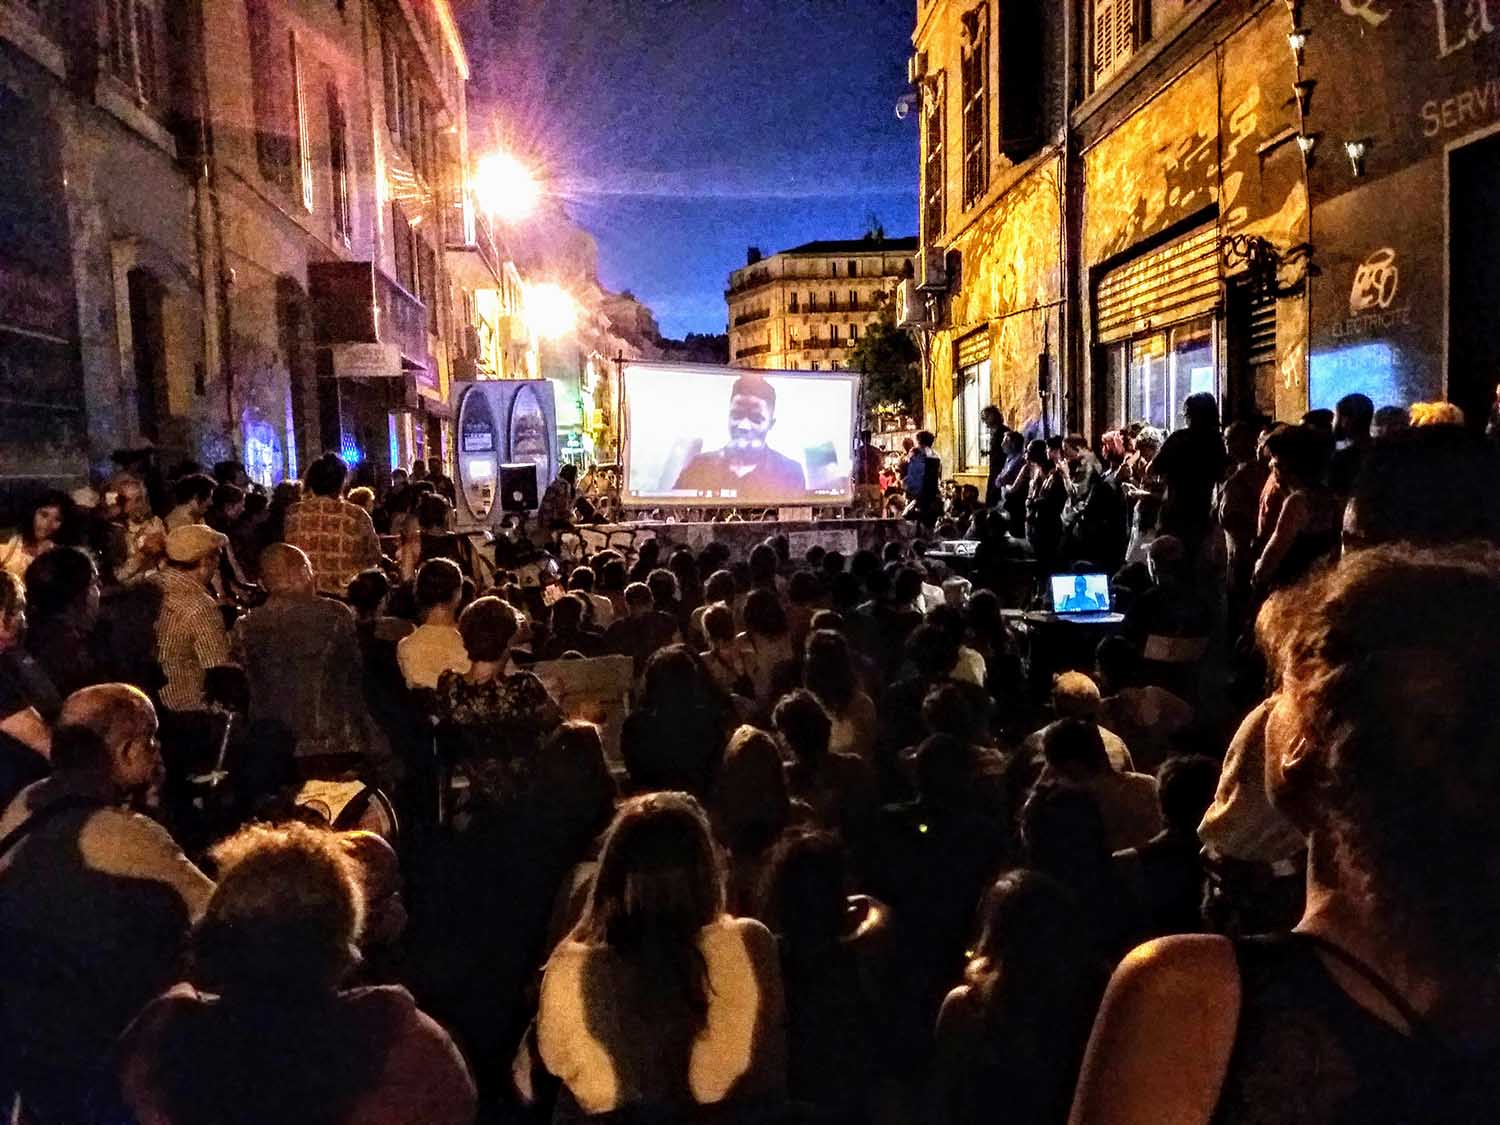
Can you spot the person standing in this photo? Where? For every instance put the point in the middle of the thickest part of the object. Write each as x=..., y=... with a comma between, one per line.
x=337, y=536
x=442, y=484
x=435, y=646
x=191, y=498
x=1191, y=462
x=556, y=510
x=190, y=633
x=995, y=424
x=923, y=479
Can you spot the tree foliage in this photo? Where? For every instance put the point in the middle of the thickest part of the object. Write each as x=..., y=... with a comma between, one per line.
x=889, y=362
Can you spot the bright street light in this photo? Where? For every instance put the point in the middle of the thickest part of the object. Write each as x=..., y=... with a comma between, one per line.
x=505, y=187
x=551, y=311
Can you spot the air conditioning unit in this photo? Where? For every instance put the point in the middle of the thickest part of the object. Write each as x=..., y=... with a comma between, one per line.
x=916, y=68
x=934, y=270
x=911, y=306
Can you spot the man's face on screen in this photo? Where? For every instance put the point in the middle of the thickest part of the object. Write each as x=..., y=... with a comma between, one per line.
x=750, y=419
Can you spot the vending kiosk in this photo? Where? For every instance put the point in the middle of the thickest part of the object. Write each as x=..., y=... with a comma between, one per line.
x=502, y=424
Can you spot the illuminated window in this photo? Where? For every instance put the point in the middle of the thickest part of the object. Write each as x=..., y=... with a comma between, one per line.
x=970, y=396
x=1155, y=373
x=976, y=104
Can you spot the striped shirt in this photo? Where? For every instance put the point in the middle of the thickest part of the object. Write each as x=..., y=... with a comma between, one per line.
x=190, y=639
x=338, y=538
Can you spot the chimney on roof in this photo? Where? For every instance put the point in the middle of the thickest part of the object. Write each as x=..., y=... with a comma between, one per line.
x=752, y=255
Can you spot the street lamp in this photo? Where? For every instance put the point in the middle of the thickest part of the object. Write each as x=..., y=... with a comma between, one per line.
x=551, y=311
x=505, y=187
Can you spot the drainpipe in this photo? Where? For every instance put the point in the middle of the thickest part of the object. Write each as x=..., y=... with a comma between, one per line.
x=1069, y=384
x=207, y=168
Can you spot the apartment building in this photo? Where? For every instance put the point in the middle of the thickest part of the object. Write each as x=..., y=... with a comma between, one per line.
x=241, y=228
x=804, y=308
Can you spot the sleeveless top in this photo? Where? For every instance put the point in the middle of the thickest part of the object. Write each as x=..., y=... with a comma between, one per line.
x=1305, y=1053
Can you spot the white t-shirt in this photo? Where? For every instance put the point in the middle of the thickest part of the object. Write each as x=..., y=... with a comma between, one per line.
x=429, y=651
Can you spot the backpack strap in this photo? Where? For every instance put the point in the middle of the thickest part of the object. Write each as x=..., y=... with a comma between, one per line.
x=1387, y=991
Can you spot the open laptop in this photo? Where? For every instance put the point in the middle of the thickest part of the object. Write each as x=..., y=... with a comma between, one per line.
x=1081, y=597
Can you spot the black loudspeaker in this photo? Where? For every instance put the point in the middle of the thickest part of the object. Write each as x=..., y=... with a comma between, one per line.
x=518, y=492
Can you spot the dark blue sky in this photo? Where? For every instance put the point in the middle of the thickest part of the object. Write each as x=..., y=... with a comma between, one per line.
x=679, y=132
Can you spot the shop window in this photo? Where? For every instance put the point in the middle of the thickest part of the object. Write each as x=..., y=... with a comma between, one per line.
x=1154, y=374
x=970, y=396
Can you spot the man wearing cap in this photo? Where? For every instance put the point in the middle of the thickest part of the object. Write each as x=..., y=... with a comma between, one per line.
x=746, y=468
x=190, y=633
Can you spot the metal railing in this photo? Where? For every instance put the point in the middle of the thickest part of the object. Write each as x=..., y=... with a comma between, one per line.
x=751, y=317
x=753, y=349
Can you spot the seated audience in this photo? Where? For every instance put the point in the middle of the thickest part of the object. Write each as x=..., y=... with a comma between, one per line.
x=750, y=811
x=265, y=1029
x=767, y=645
x=95, y=902
x=435, y=646
x=501, y=716
x=1076, y=696
x=40, y=526
x=1166, y=873
x=724, y=658
x=1147, y=718
x=659, y=1002
x=567, y=631
x=839, y=788
x=674, y=739
x=1013, y=1034
x=643, y=629
x=833, y=967
x=1075, y=754
x=828, y=672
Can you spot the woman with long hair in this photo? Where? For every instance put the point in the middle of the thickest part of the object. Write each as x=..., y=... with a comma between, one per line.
x=267, y=1029
x=675, y=738
x=751, y=809
x=828, y=672
x=36, y=533
x=767, y=645
x=1014, y=1032
x=659, y=1002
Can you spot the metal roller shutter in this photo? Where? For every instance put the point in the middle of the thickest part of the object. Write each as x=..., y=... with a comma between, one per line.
x=1174, y=283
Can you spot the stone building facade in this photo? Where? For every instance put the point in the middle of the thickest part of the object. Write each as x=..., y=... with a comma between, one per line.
x=1128, y=201
x=240, y=228
x=802, y=309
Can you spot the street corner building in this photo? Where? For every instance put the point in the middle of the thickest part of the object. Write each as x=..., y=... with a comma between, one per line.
x=1124, y=202
x=804, y=308
x=239, y=228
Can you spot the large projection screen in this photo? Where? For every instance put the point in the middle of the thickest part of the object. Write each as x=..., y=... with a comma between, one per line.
x=703, y=436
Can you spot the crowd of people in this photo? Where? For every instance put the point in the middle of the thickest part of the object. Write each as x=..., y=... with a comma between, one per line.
x=294, y=828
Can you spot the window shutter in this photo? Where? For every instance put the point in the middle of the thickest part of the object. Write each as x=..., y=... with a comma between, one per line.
x=1114, y=37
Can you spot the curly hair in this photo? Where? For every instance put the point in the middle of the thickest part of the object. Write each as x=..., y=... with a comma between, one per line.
x=1387, y=665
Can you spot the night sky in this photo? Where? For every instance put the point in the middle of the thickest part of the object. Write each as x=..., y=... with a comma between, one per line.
x=680, y=132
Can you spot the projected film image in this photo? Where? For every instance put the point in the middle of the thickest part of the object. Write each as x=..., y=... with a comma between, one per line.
x=703, y=435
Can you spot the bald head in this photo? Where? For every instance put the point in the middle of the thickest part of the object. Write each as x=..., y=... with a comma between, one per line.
x=285, y=570
x=97, y=722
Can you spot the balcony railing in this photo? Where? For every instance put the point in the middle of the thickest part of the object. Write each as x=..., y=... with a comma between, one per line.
x=836, y=307
x=753, y=349
x=819, y=344
x=750, y=281
x=355, y=303
x=751, y=317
